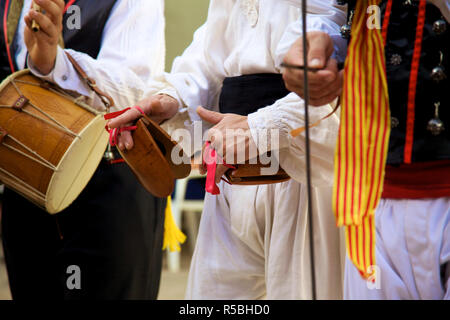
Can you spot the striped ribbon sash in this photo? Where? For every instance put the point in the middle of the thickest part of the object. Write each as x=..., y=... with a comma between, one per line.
x=362, y=145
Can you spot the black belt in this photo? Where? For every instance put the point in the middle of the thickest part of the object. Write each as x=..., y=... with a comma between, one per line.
x=246, y=94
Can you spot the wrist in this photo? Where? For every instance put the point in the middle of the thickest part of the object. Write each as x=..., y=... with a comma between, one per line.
x=45, y=66
x=169, y=105
x=45, y=69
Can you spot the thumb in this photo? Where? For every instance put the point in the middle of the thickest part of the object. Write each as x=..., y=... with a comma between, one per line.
x=210, y=116
x=319, y=50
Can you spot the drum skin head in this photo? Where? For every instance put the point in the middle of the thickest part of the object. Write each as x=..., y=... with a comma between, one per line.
x=61, y=141
x=150, y=159
x=77, y=166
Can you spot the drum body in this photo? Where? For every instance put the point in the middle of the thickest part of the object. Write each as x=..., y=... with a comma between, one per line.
x=50, y=143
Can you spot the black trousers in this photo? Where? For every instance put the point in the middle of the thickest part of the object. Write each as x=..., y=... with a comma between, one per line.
x=109, y=241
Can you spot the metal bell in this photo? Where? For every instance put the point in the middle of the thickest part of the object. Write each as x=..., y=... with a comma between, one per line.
x=346, y=31
x=438, y=74
x=435, y=126
x=439, y=26
x=407, y=3
x=396, y=59
x=394, y=122
x=108, y=156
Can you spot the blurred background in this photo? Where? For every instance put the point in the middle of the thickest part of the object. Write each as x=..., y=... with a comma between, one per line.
x=183, y=17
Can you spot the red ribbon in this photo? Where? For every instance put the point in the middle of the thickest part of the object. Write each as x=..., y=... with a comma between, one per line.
x=114, y=133
x=210, y=160
x=68, y=5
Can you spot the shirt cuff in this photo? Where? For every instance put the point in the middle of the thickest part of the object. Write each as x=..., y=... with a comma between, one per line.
x=174, y=94
x=63, y=74
x=268, y=131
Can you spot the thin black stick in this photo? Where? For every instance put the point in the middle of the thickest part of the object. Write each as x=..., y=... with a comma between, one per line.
x=308, y=155
x=294, y=66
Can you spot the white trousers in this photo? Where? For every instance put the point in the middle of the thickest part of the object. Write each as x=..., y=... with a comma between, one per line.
x=253, y=243
x=412, y=252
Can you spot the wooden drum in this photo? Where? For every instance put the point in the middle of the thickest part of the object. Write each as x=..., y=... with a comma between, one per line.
x=50, y=142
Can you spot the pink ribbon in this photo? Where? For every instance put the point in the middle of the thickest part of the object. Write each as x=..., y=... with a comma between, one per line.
x=114, y=133
x=210, y=160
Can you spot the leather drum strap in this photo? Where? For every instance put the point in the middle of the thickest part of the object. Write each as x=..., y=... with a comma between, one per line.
x=105, y=98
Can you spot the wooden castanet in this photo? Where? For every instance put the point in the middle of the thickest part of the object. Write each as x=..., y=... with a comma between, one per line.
x=250, y=174
x=151, y=158
x=51, y=143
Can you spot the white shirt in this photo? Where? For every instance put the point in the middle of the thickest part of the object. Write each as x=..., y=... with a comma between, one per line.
x=247, y=37
x=132, y=50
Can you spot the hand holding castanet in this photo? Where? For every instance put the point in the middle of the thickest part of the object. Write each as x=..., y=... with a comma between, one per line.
x=159, y=107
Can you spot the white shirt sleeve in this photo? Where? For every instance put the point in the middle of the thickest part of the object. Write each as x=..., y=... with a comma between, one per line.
x=193, y=77
x=322, y=15
x=132, y=51
x=287, y=113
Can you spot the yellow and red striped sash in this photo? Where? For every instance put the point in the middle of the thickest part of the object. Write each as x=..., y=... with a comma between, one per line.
x=363, y=139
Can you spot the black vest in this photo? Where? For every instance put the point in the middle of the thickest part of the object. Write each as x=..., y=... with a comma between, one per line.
x=87, y=39
x=399, y=50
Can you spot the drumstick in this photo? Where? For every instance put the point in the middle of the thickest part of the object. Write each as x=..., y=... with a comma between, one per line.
x=34, y=25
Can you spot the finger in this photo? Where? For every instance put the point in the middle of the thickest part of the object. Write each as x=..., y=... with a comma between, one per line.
x=127, y=140
x=327, y=75
x=28, y=21
x=295, y=53
x=210, y=116
x=329, y=98
x=292, y=83
x=318, y=80
x=53, y=10
x=293, y=77
x=321, y=84
x=318, y=92
x=294, y=88
x=46, y=25
x=202, y=166
x=157, y=110
x=39, y=36
x=128, y=117
x=216, y=138
x=329, y=91
x=202, y=169
x=319, y=49
x=220, y=171
x=317, y=96
x=61, y=4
